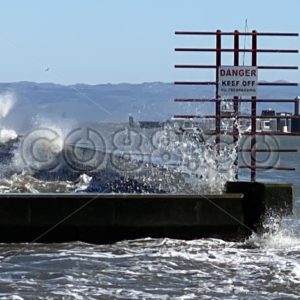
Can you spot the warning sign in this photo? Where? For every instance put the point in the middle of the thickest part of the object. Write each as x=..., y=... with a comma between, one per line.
x=237, y=81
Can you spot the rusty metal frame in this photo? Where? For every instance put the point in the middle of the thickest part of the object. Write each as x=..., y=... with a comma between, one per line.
x=217, y=100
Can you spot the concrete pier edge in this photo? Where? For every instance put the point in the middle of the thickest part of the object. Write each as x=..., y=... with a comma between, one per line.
x=263, y=199
x=102, y=218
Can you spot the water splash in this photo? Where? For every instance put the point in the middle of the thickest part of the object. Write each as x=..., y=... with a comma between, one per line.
x=7, y=135
x=7, y=102
x=25, y=183
x=278, y=233
x=40, y=147
x=205, y=165
x=171, y=159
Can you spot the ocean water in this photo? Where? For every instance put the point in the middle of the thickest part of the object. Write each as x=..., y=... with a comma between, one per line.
x=261, y=267
x=265, y=267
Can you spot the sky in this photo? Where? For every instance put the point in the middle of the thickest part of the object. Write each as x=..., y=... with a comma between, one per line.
x=114, y=41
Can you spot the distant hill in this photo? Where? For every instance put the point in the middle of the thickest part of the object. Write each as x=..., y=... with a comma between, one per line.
x=115, y=102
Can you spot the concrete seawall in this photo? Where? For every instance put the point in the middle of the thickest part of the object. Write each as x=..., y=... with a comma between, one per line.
x=262, y=199
x=102, y=218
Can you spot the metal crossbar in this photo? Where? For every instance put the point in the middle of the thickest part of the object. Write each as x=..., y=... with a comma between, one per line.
x=254, y=51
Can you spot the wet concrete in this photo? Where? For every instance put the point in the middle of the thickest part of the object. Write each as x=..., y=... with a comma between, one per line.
x=101, y=218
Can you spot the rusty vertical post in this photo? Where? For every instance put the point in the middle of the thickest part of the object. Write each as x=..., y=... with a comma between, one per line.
x=218, y=101
x=236, y=63
x=253, y=112
x=235, y=98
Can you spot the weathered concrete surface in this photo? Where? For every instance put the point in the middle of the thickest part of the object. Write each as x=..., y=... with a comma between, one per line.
x=101, y=218
x=106, y=218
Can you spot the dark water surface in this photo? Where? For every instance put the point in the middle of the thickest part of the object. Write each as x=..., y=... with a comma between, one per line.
x=265, y=267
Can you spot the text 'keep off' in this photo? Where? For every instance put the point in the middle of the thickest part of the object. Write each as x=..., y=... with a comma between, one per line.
x=237, y=81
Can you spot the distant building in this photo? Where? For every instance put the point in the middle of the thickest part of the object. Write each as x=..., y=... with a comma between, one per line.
x=284, y=123
x=268, y=112
x=295, y=126
x=267, y=123
x=227, y=108
x=297, y=106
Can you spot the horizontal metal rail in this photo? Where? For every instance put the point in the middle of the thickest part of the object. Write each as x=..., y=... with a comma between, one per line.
x=214, y=83
x=278, y=133
x=277, y=67
x=180, y=66
x=195, y=82
x=233, y=117
x=249, y=133
x=195, y=66
x=236, y=50
x=278, y=83
x=267, y=168
x=268, y=150
x=236, y=100
x=279, y=34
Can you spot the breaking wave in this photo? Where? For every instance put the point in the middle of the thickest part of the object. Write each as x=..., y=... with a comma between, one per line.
x=152, y=269
x=25, y=183
x=166, y=160
x=278, y=234
x=7, y=135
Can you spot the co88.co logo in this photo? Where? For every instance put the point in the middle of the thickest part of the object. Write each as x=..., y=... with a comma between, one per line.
x=84, y=150
x=264, y=153
x=40, y=149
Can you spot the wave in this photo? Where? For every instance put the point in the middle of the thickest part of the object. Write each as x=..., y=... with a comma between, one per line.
x=278, y=233
x=7, y=135
x=25, y=183
x=146, y=161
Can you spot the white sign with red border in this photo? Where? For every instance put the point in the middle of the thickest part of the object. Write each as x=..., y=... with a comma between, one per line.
x=237, y=81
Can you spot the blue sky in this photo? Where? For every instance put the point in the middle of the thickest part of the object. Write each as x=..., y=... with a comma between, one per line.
x=112, y=41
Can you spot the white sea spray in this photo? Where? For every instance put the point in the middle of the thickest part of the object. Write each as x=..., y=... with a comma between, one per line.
x=7, y=135
x=7, y=102
x=41, y=146
x=205, y=165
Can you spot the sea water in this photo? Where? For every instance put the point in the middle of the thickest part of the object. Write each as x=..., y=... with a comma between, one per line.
x=261, y=267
